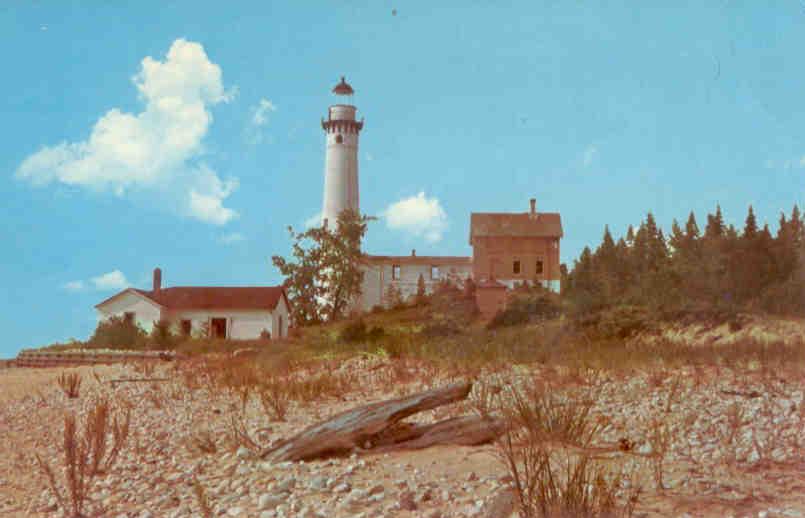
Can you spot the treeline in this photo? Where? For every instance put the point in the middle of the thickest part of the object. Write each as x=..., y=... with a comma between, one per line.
x=719, y=269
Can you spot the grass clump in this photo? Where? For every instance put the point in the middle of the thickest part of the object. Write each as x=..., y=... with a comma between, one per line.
x=70, y=384
x=86, y=455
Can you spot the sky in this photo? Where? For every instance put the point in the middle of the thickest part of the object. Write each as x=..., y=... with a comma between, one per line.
x=187, y=135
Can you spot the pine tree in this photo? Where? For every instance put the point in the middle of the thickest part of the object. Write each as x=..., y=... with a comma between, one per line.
x=750, y=227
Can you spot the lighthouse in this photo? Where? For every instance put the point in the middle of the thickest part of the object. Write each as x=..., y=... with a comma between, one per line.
x=341, y=130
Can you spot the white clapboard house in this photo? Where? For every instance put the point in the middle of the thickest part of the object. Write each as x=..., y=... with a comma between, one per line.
x=238, y=313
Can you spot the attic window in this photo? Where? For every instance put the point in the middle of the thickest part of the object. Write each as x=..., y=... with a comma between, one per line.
x=339, y=139
x=434, y=272
x=516, y=267
x=128, y=317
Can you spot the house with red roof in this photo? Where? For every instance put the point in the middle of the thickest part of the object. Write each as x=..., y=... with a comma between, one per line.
x=238, y=313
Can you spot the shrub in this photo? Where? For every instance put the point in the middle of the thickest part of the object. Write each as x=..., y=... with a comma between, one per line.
x=356, y=331
x=117, y=332
x=527, y=305
x=621, y=322
x=162, y=337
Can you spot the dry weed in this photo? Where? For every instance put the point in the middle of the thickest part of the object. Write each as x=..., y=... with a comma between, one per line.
x=201, y=499
x=544, y=490
x=86, y=455
x=660, y=440
x=273, y=396
x=549, y=416
x=203, y=441
x=69, y=383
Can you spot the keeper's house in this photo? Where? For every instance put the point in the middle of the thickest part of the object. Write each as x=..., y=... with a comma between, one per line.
x=239, y=313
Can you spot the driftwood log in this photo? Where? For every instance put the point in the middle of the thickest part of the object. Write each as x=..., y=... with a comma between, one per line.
x=377, y=427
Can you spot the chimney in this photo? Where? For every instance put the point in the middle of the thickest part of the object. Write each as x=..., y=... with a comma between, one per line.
x=533, y=206
x=157, y=280
x=413, y=252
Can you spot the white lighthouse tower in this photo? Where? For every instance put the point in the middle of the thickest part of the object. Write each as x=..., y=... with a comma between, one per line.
x=341, y=159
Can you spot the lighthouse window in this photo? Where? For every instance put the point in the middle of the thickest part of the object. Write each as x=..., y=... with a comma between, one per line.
x=339, y=139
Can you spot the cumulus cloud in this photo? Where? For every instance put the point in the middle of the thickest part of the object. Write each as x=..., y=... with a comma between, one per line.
x=114, y=280
x=73, y=286
x=157, y=149
x=419, y=216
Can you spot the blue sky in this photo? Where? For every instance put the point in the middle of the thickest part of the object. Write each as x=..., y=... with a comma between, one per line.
x=186, y=134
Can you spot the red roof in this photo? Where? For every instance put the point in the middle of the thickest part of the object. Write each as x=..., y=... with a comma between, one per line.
x=204, y=297
x=491, y=224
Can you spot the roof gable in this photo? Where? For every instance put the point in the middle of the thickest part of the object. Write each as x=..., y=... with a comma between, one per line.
x=128, y=291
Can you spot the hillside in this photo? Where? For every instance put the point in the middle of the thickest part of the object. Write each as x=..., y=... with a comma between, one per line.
x=695, y=416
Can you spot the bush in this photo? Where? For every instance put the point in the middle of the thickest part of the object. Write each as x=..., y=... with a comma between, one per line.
x=162, y=337
x=118, y=333
x=786, y=298
x=622, y=321
x=356, y=331
x=527, y=306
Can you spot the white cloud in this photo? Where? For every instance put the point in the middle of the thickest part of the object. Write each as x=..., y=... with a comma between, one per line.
x=313, y=221
x=114, y=280
x=419, y=216
x=234, y=237
x=261, y=111
x=206, y=198
x=589, y=155
x=73, y=286
x=157, y=149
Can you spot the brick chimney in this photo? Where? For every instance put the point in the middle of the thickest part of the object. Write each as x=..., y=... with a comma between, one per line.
x=157, y=280
x=413, y=252
x=533, y=213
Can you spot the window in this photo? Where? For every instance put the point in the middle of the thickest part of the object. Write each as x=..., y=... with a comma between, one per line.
x=128, y=317
x=218, y=327
x=516, y=267
x=539, y=267
x=187, y=326
x=279, y=327
x=339, y=139
x=395, y=272
x=434, y=272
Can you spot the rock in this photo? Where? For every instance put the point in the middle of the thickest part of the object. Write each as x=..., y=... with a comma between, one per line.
x=378, y=488
x=243, y=453
x=645, y=449
x=286, y=485
x=234, y=511
x=472, y=477
x=318, y=483
x=269, y=501
x=406, y=501
x=342, y=488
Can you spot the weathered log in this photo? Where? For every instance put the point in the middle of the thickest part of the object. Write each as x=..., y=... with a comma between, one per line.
x=351, y=429
x=468, y=430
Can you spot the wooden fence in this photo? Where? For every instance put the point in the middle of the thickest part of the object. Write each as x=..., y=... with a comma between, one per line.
x=75, y=358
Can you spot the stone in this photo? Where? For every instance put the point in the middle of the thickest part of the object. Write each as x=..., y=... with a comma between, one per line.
x=269, y=501
x=406, y=501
